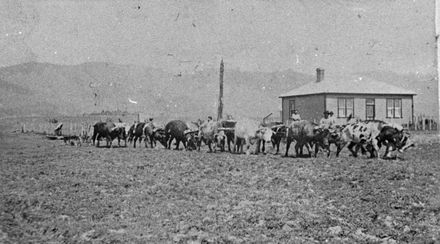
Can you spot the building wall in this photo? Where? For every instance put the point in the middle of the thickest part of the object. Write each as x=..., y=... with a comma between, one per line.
x=380, y=106
x=310, y=107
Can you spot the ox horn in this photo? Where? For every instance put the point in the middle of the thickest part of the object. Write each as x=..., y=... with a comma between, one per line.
x=276, y=127
x=225, y=129
x=190, y=131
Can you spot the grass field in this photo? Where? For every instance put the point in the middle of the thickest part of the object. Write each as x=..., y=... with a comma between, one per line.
x=51, y=192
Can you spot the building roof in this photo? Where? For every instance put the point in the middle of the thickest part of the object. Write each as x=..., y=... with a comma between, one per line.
x=348, y=85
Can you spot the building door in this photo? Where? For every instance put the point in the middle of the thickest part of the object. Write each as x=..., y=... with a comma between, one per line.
x=370, y=109
x=291, y=107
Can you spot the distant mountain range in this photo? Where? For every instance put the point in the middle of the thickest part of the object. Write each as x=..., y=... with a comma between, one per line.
x=49, y=89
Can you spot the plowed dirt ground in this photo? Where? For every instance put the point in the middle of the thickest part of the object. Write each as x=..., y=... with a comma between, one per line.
x=52, y=192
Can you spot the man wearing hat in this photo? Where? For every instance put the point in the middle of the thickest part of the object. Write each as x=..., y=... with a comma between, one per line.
x=295, y=116
x=327, y=122
x=152, y=123
x=332, y=119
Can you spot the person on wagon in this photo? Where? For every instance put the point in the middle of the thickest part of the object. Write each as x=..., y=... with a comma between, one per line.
x=295, y=116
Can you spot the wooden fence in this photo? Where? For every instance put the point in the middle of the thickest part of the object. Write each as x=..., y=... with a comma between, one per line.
x=69, y=128
x=82, y=124
x=77, y=125
x=424, y=123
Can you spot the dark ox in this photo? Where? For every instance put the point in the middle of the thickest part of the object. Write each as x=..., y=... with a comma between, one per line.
x=136, y=133
x=109, y=131
x=394, y=138
x=305, y=133
x=175, y=130
x=279, y=133
x=158, y=134
x=333, y=136
x=147, y=132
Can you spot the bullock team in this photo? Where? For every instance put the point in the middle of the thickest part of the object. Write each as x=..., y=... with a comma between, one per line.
x=367, y=136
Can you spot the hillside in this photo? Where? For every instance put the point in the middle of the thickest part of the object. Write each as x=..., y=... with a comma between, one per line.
x=48, y=89
x=426, y=86
x=44, y=89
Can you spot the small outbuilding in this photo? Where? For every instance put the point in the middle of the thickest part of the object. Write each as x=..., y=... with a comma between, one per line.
x=361, y=97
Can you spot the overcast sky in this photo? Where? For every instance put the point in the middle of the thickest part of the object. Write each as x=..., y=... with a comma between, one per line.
x=186, y=35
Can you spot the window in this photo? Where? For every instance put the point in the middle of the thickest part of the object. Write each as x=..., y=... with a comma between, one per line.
x=370, y=108
x=291, y=107
x=345, y=107
x=394, y=108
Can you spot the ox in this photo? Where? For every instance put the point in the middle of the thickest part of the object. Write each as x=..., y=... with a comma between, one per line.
x=359, y=134
x=305, y=133
x=228, y=130
x=249, y=130
x=126, y=126
x=373, y=134
x=192, y=139
x=137, y=132
x=159, y=134
x=178, y=130
x=332, y=136
x=154, y=133
x=279, y=133
x=394, y=137
x=146, y=131
x=211, y=136
x=109, y=131
x=220, y=139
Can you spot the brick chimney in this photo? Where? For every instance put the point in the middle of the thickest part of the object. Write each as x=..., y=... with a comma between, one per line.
x=319, y=74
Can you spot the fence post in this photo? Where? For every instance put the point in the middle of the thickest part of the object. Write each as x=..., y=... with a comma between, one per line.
x=418, y=122
x=430, y=123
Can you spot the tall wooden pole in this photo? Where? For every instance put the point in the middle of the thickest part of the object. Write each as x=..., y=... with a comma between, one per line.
x=220, y=97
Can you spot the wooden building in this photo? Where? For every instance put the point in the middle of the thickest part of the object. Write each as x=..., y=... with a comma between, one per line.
x=362, y=97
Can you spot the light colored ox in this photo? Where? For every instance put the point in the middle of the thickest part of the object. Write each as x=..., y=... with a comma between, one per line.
x=207, y=131
x=251, y=131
